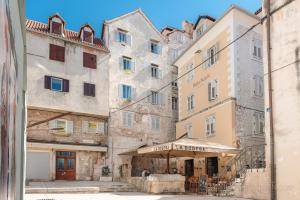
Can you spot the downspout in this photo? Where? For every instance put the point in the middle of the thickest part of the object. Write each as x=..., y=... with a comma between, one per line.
x=272, y=139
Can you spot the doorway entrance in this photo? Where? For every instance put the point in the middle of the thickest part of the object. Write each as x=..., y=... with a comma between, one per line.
x=189, y=168
x=211, y=166
x=65, y=165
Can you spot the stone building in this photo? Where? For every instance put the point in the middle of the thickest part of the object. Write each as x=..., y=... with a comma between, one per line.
x=222, y=99
x=138, y=68
x=67, y=101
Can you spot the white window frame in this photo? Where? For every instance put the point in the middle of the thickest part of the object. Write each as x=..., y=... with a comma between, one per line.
x=258, y=123
x=174, y=103
x=67, y=129
x=191, y=102
x=257, y=49
x=212, y=90
x=152, y=50
x=189, y=130
x=155, y=123
x=127, y=119
x=258, y=86
x=212, y=55
x=155, y=71
x=210, y=126
x=127, y=61
x=123, y=37
x=61, y=85
x=191, y=74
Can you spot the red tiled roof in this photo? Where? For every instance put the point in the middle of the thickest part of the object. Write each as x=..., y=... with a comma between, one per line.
x=68, y=34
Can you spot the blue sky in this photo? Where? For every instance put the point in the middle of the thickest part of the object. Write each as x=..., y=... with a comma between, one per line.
x=160, y=12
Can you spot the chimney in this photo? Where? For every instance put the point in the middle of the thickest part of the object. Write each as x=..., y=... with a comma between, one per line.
x=187, y=27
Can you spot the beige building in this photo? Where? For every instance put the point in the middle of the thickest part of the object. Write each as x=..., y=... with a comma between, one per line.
x=67, y=102
x=222, y=99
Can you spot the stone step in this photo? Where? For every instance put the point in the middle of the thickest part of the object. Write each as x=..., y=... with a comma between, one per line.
x=77, y=188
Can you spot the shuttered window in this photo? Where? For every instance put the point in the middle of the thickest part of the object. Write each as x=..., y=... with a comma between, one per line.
x=57, y=53
x=56, y=84
x=87, y=36
x=89, y=89
x=56, y=28
x=89, y=60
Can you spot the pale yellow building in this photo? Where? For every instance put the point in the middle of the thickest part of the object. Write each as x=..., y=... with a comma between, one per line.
x=222, y=99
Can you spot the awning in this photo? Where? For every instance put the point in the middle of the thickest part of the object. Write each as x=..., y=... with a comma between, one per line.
x=187, y=147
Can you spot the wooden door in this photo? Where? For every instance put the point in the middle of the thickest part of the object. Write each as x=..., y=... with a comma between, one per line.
x=212, y=166
x=65, y=165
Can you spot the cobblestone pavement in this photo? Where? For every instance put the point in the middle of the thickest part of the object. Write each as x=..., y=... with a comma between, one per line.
x=122, y=196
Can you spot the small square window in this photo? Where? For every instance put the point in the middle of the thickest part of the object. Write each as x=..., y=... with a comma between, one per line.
x=56, y=84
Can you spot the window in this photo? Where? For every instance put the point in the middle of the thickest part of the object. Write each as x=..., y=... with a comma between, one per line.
x=201, y=29
x=258, y=123
x=56, y=84
x=174, y=103
x=87, y=36
x=154, y=97
x=257, y=49
x=126, y=63
x=173, y=55
x=89, y=60
x=154, y=47
x=88, y=89
x=61, y=126
x=258, y=86
x=212, y=90
x=191, y=103
x=56, y=28
x=123, y=37
x=126, y=92
x=210, y=126
x=155, y=71
x=155, y=123
x=174, y=82
x=210, y=56
x=191, y=72
x=57, y=53
x=189, y=130
x=127, y=119
x=93, y=127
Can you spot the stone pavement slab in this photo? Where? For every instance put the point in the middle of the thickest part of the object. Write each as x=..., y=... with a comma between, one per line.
x=122, y=196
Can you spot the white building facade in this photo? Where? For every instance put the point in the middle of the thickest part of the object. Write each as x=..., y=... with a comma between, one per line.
x=138, y=68
x=67, y=102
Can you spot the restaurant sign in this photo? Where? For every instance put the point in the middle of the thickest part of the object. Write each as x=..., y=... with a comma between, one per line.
x=164, y=147
x=180, y=147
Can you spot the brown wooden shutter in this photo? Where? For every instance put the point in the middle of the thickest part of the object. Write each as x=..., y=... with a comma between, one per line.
x=89, y=60
x=56, y=28
x=89, y=89
x=87, y=36
x=85, y=89
x=47, y=84
x=65, y=85
x=92, y=90
x=57, y=53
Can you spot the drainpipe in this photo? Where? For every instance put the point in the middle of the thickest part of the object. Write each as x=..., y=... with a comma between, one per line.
x=272, y=139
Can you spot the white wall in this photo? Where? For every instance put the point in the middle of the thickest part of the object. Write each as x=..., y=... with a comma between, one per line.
x=72, y=69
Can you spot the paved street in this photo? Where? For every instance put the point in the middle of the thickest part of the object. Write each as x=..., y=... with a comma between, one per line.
x=121, y=196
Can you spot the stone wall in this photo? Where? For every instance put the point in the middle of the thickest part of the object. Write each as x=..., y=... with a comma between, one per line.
x=42, y=133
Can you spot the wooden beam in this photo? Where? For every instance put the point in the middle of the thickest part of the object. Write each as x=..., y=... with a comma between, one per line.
x=47, y=120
